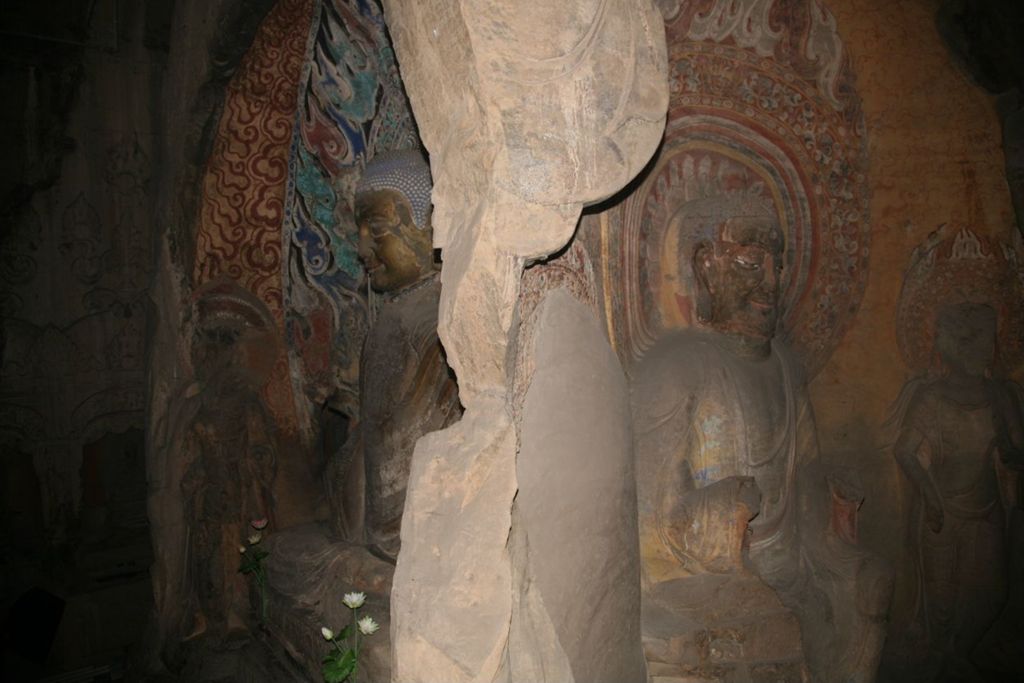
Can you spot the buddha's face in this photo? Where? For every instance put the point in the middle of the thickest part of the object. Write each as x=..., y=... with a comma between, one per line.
x=396, y=254
x=965, y=337
x=740, y=272
x=232, y=351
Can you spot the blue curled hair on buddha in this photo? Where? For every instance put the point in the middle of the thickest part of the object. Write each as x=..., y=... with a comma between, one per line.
x=405, y=172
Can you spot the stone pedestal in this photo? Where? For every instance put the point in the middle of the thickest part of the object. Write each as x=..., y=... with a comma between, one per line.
x=720, y=628
x=307, y=575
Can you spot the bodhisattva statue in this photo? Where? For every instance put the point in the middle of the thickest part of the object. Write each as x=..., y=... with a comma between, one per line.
x=406, y=387
x=229, y=451
x=725, y=441
x=957, y=433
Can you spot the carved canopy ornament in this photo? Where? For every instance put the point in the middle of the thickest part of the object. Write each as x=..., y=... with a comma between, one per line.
x=763, y=118
x=959, y=266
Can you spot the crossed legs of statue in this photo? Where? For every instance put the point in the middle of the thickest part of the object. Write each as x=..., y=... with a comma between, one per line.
x=839, y=593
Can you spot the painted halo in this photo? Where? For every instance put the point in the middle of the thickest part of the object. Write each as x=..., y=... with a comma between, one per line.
x=758, y=122
x=957, y=266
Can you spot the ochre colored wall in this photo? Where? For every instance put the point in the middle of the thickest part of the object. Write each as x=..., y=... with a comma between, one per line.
x=935, y=158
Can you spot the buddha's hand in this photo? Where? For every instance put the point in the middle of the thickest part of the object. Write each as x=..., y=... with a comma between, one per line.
x=706, y=528
x=731, y=497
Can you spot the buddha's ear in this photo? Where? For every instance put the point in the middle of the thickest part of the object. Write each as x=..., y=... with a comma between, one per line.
x=419, y=243
x=701, y=263
x=403, y=210
x=702, y=259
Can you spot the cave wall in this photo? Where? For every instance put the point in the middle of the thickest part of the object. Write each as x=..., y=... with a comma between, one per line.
x=261, y=228
x=141, y=178
x=936, y=167
x=77, y=233
x=935, y=154
x=881, y=155
x=77, y=258
x=895, y=142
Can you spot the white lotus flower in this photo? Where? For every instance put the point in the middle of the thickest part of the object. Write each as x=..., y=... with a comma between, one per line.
x=354, y=600
x=328, y=633
x=367, y=626
x=255, y=538
x=241, y=550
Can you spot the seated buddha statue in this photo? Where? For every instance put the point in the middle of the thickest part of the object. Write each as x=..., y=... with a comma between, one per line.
x=406, y=387
x=405, y=391
x=728, y=483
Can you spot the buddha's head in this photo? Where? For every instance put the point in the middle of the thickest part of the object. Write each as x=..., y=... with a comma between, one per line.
x=234, y=343
x=737, y=277
x=392, y=210
x=965, y=337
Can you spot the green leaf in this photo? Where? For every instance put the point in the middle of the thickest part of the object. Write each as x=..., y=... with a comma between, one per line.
x=344, y=633
x=252, y=561
x=338, y=668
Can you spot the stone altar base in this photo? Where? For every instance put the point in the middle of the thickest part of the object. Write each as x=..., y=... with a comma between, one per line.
x=721, y=629
x=245, y=660
x=308, y=572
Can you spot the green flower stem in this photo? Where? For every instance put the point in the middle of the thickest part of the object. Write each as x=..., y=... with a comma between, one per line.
x=342, y=663
x=261, y=584
x=355, y=631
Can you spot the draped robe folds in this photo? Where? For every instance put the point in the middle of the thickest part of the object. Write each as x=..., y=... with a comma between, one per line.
x=961, y=569
x=703, y=415
x=228, y=476
x=407, y=390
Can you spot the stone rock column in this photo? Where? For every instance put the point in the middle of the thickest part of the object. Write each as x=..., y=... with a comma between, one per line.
x=529, y=110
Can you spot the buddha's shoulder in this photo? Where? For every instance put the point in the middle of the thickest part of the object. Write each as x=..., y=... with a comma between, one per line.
x=676, y=359
x=684, y=348
x=409, y=312
x=923, y=394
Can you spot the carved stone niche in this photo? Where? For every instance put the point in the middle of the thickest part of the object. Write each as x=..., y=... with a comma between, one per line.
x=749, y=552
x=730, y=274
x=958, y=437
x=340, y=74
x=406, y=390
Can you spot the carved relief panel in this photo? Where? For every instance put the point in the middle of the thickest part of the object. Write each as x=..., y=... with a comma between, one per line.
x=959, y=442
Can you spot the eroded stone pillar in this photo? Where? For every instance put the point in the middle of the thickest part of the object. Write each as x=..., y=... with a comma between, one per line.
x=529, y=110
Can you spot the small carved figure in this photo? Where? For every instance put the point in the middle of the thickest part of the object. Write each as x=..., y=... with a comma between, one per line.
x=958, y=433
x=406, y=387
x=725, y=443
x=229, y=452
